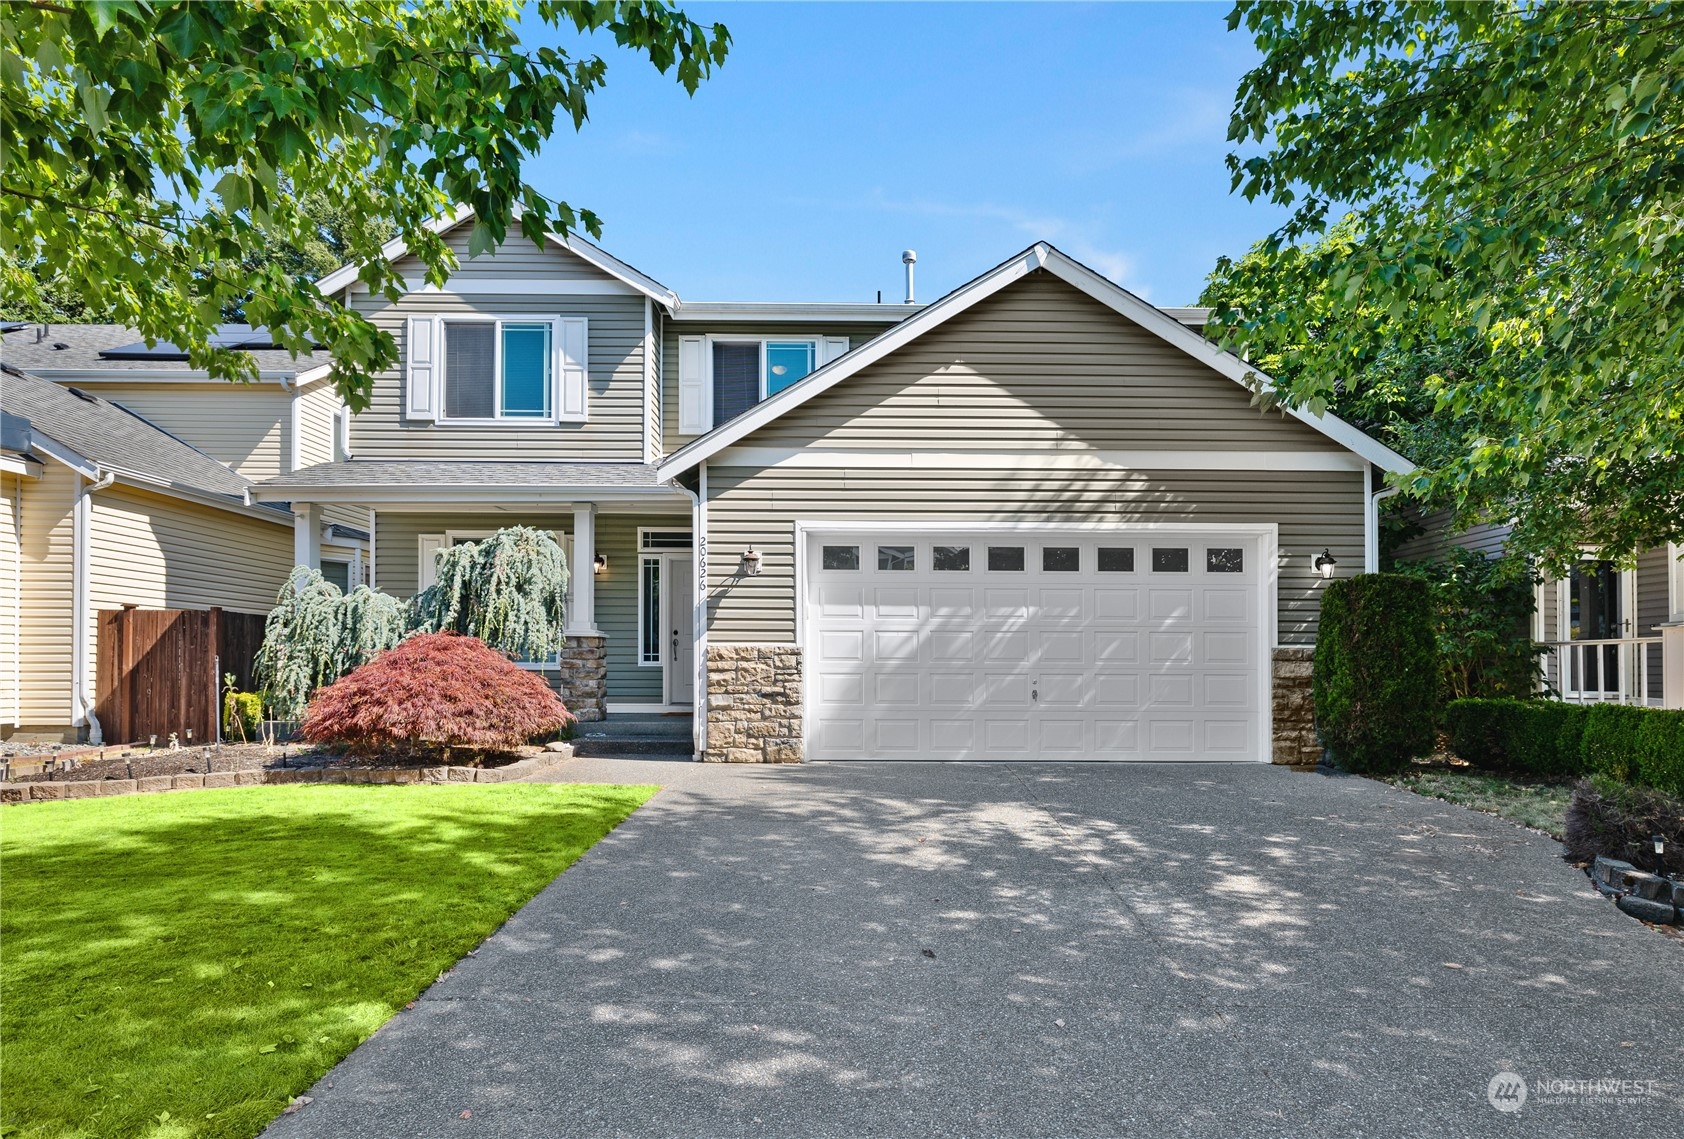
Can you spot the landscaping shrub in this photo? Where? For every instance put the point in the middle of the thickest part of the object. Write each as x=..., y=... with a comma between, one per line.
x=1610, y=740
x=1660, y=751
x=242, y=712
x=315, y=635
x=508, y=590
x=1616, y=820
x=1375, y=678
x=1542, y=737
x=433, y=692
x=1482, y=610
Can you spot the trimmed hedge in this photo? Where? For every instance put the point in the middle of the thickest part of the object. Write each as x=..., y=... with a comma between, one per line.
x=1541, y=737
x=1550, y=738
x=1376, y=674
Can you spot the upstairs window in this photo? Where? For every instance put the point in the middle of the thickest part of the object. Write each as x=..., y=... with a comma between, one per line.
x=498, y=369
x=747, y=371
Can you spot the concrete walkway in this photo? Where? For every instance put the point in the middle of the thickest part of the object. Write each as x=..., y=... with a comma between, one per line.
x=1016, y=950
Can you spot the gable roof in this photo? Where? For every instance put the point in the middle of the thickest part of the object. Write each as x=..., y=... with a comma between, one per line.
x=83, y=430
x=346, y=275
x=1040, y=256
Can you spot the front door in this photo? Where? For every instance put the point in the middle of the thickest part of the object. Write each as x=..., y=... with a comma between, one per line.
x=679, y=625
x=1594, y=616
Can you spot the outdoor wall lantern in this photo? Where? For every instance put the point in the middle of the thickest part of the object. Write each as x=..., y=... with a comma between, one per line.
x=1325, y=563
x=751, y=562
x=601, y=564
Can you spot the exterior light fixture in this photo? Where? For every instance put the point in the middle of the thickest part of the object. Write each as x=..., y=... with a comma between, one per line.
x=601, y=564
x=751, y=562
x=1325, y=563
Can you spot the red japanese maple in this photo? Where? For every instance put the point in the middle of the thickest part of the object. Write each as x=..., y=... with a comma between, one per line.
x=435, y=690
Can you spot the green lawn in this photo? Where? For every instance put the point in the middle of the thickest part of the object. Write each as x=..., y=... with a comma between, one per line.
x=1529, y=802
x=184, y=965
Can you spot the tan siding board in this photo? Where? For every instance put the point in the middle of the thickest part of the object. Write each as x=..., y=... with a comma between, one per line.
x=11, y=554
x=517, y=257
x=48, y=539
x=670, y=331
x=318, y=404
x=615, y=429
x=246, y=426
x=760, y=507
x=1038, y=364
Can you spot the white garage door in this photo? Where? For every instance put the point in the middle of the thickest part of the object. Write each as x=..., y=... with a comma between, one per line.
x=1145, y=644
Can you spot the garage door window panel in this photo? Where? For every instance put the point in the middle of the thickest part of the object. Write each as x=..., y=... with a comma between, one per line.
x=1169, y=559
x=841, y=558
x=1116, y=559
x=1005, y=559
x=1061, y=559
x=951, y=559
x=897, y=559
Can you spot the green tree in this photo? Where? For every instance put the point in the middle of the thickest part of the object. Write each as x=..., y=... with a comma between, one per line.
x=1514, y=179
x=149, y=145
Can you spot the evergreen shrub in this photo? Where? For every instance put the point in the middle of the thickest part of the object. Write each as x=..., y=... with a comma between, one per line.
x=1376, y=673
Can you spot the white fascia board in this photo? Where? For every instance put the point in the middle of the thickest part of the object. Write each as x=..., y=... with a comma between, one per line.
x=59, y=453
x=1168, y=329
x=617, y=269
x=513, y=286
x=1038, y=256
x=345, y=276
x=725, y=311
x=428, y=497
x=938, y=460
x=202, y=498
x=827, y=377
x=24, y=466
x=159, y=375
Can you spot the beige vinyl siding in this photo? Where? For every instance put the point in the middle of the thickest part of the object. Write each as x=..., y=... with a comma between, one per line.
x=857, y=332
x=165, y=553
x=1039, y=364
x=246, y=426
x=760, y=507
x=1437, y=539
x=614, y=430
x=398, y=565
x=517, y=257
x=48, y=539
x=1653, y=609
x=318, y=404
x=11, y=587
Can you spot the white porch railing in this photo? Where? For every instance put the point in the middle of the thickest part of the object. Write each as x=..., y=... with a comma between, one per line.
x=1614, y=671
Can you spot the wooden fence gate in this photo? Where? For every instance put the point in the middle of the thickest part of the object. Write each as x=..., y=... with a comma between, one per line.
x=160, y=670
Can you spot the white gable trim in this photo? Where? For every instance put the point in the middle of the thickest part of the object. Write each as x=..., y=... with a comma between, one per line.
x=1038, y=256
x=346, y=276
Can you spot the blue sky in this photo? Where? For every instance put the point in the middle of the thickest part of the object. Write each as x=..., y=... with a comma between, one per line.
x=837, y=135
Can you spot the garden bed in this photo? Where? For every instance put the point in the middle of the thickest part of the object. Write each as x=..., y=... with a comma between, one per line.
x=140, y=771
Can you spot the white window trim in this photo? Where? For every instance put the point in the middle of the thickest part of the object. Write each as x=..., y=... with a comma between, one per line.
x=554, y=419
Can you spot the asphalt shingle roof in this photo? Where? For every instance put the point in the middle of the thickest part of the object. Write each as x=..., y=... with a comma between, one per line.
x=114, y=437
x=35, y=350
x=422, y=473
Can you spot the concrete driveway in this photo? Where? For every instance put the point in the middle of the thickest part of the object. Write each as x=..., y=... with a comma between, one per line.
x=1035, y=950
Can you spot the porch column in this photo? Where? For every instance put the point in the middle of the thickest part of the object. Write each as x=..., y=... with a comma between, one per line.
x=1672, y=664
x=307, y=535
x=581, y=618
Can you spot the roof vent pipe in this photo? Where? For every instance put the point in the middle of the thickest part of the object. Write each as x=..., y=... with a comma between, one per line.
x=909, y=258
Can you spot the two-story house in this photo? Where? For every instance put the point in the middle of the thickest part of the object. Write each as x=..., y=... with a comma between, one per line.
x=1036, y=518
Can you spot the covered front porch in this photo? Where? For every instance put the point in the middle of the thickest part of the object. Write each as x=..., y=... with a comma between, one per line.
x=631, y=607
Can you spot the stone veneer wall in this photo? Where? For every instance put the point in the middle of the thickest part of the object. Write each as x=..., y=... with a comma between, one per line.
x=1294, y=709
x=754, y=704
x=583, y=683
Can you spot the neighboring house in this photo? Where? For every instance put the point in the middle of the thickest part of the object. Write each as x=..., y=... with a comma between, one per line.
x=290, y=417
x=1613, y=635
x=100, y=508
x=1038, y=518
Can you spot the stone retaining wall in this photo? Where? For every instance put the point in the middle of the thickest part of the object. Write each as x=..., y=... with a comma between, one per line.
x=583, y=683
x=99, y=788
x=1294, y=708
x=754, y=704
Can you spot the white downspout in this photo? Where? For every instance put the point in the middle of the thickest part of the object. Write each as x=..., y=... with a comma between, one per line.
x=1371, y=522
x=81, y=704
x=699, y=611
x=17, y=606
